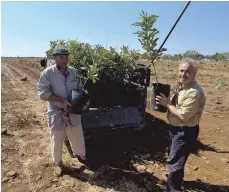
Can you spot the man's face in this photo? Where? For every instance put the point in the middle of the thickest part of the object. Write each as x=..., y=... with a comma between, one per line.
x=61, y=60
x=186, y=73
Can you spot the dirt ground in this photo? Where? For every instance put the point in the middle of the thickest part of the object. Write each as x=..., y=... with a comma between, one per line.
x=126, y=162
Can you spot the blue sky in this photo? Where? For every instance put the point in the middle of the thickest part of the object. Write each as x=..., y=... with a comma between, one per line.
x=27, y=27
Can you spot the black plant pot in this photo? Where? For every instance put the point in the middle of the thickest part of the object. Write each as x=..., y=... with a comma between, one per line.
x=78, y=98
x=158, y=88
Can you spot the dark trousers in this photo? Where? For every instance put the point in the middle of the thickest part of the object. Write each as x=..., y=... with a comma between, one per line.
x=182, y=139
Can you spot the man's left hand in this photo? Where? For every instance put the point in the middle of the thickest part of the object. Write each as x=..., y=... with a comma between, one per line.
x=162, y=100
x=86, y=106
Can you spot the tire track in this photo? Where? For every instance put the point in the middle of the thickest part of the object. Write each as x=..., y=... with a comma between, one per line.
x=11, y=76
x=30, y=88
x=30, y=137
x=32, y=74
x=31, y=71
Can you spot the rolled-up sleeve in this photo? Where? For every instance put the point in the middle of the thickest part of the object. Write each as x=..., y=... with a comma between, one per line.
x=44, y=86
x=189, y=107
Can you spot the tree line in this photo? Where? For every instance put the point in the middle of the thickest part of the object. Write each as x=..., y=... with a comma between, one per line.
x=224, y=56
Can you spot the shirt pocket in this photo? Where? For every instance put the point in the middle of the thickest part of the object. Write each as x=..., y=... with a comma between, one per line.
x=72, y=85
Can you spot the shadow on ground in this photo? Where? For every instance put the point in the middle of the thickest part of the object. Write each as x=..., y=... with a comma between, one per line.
x=202, y=147
x=205, y=147
x=197, y=186
x=122, y=149
x=114, y=158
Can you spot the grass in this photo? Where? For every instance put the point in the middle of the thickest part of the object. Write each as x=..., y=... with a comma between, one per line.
x=221, y=84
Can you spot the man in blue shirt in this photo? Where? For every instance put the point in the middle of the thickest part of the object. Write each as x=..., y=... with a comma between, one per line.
x=55, y=85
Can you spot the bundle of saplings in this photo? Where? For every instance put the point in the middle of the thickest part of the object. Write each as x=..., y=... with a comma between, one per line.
x=112, y=77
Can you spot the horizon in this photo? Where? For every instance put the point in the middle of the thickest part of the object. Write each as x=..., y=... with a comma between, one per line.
x=198, y=29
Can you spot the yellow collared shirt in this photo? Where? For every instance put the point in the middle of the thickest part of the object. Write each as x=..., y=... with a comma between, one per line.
x=190, y=105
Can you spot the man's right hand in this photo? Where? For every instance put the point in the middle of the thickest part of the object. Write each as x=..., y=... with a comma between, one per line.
x=66, y=104
x=59, y=99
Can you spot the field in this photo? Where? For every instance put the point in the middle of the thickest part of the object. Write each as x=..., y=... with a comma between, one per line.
x=127, y=162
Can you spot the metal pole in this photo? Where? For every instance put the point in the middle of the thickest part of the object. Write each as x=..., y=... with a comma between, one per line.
x=172, y=28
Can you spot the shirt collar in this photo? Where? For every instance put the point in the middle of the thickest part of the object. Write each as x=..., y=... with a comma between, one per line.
x=67, y=70
x=189, y=85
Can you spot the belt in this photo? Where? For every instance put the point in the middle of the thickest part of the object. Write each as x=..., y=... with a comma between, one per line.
x=60, y=109
x=178, y=128
x=65, y=113
x=181, y=128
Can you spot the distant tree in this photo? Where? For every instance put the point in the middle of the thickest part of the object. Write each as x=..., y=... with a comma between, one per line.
x=218, y=56
x=193, y=55
x=226, y=55
x=208, y=57
x=177, y=57
x=166, y=57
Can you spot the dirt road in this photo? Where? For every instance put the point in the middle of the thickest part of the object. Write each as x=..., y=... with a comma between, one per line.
x=131, y=162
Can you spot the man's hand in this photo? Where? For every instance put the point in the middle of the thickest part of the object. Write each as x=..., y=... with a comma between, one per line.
x=162, y=100
x=66, y=103
x=86, y=106
x=171, y=97
x=61, y=100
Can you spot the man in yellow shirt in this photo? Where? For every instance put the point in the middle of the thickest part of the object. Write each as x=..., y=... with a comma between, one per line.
x=184, y=113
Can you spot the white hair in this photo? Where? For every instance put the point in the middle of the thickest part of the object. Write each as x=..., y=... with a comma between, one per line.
x=191, y=62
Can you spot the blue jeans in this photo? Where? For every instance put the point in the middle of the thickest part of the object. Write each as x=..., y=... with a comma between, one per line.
x=182, y=140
